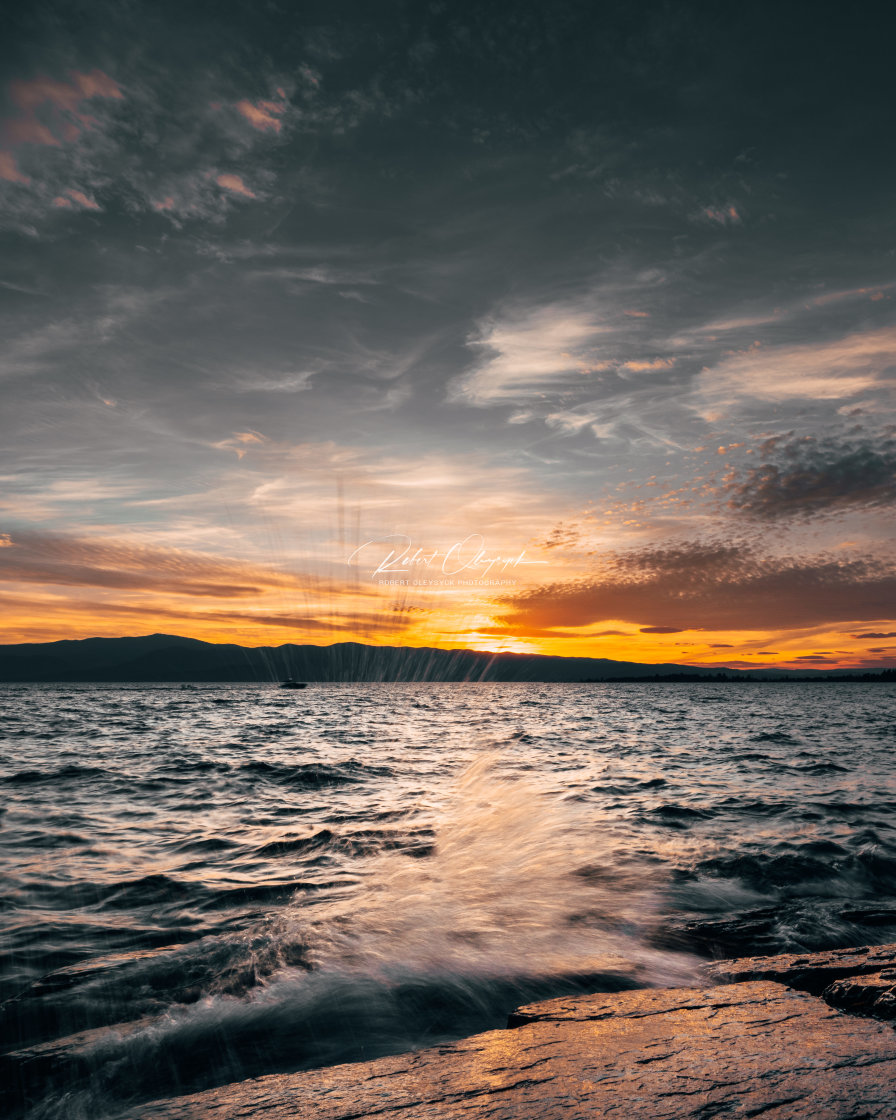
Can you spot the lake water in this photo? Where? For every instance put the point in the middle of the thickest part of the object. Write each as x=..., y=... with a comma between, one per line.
x=222, y=881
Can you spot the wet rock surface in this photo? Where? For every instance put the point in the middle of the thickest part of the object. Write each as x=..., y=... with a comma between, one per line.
x=873, y=994
x=143, y=1058
x=860, y=981
x=809, y=972
x=788, y=1036
x=751, y=1048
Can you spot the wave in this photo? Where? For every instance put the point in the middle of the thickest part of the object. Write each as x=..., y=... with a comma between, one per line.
x=861, y=868
x=676, y=816
x=63, y=774
x=312, y=773
x=775, y=737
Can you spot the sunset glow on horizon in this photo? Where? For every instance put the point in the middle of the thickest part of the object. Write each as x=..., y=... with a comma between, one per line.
x=466, y=594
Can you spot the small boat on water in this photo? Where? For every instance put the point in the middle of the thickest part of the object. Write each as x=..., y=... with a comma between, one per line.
x=290, y=683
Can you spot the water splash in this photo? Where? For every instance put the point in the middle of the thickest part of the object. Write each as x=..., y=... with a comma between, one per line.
x=518, y=883
x=519, y=898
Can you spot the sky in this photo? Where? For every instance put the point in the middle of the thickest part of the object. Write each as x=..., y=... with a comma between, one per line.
x=564, y=328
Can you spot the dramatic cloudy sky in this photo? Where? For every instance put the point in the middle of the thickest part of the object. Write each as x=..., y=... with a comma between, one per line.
x=590, y=303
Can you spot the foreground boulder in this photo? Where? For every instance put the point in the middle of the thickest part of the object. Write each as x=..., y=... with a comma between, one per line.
x=809, y=972
x=747, y=1049
x=860, y=981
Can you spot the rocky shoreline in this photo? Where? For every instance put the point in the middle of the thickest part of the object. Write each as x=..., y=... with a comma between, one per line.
x=789, y=1037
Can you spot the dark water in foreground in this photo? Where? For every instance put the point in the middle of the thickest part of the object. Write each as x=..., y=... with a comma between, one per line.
x=233, y=880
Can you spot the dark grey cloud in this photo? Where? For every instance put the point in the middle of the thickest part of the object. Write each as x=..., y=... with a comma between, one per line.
x=699, y=586
x=805, y=476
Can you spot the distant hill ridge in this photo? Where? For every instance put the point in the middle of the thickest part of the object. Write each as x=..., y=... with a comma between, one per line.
x=168, y=657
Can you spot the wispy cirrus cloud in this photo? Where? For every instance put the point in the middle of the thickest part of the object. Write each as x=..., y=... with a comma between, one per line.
x=56, y=559
x=123, y=564
x=542, y=353
x=837, y=369
x=528, y=352
x=539, y=353
x=113, y=310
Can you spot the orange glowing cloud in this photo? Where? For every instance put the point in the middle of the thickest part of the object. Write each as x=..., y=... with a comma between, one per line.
x=29, y=130
x=27, y=95
x=647, y=366
x=240, y=438
x=50, y=113
x=81, y=586
x=66, y=118
x=723, y=216
x=262, y=115
x=235, y=185
x=9, y=169
x=73, y=198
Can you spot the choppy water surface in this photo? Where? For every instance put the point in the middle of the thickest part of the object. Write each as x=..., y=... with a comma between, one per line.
x=229, y=880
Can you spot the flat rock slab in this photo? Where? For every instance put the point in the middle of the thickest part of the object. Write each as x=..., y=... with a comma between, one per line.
x=735, y=1051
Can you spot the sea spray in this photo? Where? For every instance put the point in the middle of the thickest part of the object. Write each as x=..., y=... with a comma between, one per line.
x=517, y=899
x=519, y=883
